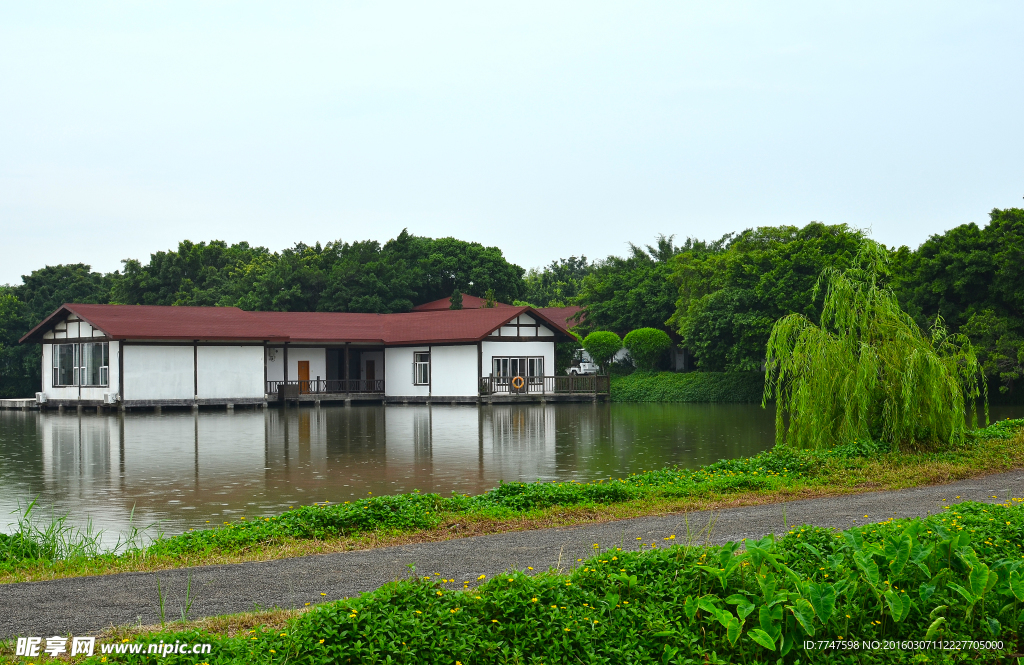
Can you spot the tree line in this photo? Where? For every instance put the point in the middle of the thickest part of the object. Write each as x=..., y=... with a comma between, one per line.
x=717, y=299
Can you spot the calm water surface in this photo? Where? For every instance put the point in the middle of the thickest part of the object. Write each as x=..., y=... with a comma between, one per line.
x=181, y=469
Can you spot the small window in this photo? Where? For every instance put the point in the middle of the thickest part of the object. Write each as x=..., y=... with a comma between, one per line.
x=421, y=369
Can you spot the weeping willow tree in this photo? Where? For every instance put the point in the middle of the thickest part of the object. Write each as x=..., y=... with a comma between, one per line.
x=868, y=371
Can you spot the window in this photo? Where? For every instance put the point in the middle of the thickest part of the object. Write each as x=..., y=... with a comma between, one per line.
x=508, y=367
x=81, y=364
x=94, y=363
x=421, y=369
x=65, y=364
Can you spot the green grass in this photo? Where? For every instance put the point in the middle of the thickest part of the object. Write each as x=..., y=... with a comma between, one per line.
x=956, y=575
x=688, y=387
x=51, y=549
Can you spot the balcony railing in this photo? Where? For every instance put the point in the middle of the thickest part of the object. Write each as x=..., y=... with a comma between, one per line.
x=292, y=389
x=587, y=384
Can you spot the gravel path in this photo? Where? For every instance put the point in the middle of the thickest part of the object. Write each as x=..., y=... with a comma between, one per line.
x=85, y=605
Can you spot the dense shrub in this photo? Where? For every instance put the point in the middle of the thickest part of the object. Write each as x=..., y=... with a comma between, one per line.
x=952, y=576
x=647, y=346
x=602, y=345
x=688, y=387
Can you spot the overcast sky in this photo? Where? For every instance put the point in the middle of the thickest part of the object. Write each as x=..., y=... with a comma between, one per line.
x=548, y=129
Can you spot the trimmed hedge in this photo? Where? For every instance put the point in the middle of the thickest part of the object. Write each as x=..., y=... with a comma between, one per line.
x=688, y=387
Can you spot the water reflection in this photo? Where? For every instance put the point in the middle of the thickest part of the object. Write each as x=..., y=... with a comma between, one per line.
x=185, y=469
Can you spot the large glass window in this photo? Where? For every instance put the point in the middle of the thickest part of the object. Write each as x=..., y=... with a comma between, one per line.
x=94, y=363
x=509, y=367
x=421, y=369
x=81, y=364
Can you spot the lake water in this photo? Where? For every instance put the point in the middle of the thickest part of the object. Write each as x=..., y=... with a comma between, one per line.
x=181, y=468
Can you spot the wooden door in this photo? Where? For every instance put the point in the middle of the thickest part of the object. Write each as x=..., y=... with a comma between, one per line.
x=303, y=376
x=371, y=375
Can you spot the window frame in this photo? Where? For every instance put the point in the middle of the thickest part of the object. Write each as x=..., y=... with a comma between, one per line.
x=419, y=365
x=78, y=372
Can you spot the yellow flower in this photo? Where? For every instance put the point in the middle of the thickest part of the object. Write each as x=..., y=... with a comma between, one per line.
x=533, y=600
x=481, y=577
x=321, y=641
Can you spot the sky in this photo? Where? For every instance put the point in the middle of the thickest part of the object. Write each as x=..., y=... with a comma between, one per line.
x=546, y=129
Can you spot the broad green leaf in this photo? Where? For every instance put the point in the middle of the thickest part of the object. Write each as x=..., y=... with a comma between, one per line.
x=854, y=539
x=823, y=600
x=933, y=630
x=690, y=607
x=804, y=615
x=979, y=578
x=963, y=592
x=898, y=555
x=762, y=638
x=868, y=567
x=733, y=629
x=1016, y=582
x=925, y=591
x=907, y=604
x=937, y=610
x=736, y=599
x=613, y=599
x=744, y=610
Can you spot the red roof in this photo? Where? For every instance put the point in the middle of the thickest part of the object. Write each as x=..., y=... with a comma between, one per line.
x=468, y=302
x=231, y=323
x=564, y=315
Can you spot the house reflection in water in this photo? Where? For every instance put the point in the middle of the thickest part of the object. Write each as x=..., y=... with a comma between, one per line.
x=186, y=468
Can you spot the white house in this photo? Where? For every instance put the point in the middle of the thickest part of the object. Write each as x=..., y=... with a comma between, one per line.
x=146, y=356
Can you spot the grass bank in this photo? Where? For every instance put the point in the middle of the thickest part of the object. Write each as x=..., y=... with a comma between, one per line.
x=688, y=387
x=912, y=583
x=34, y=553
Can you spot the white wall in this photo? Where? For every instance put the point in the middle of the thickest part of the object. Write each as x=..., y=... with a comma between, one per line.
x=158, y=372
x=275, y=364
x=398, y=373
x=521, y=349
x=231, y=371
x=453, y=371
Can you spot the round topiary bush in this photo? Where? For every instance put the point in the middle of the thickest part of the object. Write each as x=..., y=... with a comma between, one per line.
x=602, y=345
x=647, y=346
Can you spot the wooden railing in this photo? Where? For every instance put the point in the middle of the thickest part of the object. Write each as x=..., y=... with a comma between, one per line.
x=592, y=384
x=292, y=389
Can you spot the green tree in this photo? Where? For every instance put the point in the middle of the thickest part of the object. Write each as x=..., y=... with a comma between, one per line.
x=972, y=273
x=455, y=300
x=602, y=345
x=1000, y=347
x=633, y=292
x=490, y=300
x=731, y=291
x=867, y=371
x=647, y=347
x=557, y=284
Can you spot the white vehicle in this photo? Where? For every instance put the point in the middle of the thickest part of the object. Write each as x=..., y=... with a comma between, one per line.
x=581, y=364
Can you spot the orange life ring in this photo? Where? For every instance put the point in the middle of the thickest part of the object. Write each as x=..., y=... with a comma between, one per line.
x=518, y=383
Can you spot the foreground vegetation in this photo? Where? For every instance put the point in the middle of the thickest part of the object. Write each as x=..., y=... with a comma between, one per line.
x=53, y=549
x=955, y=576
